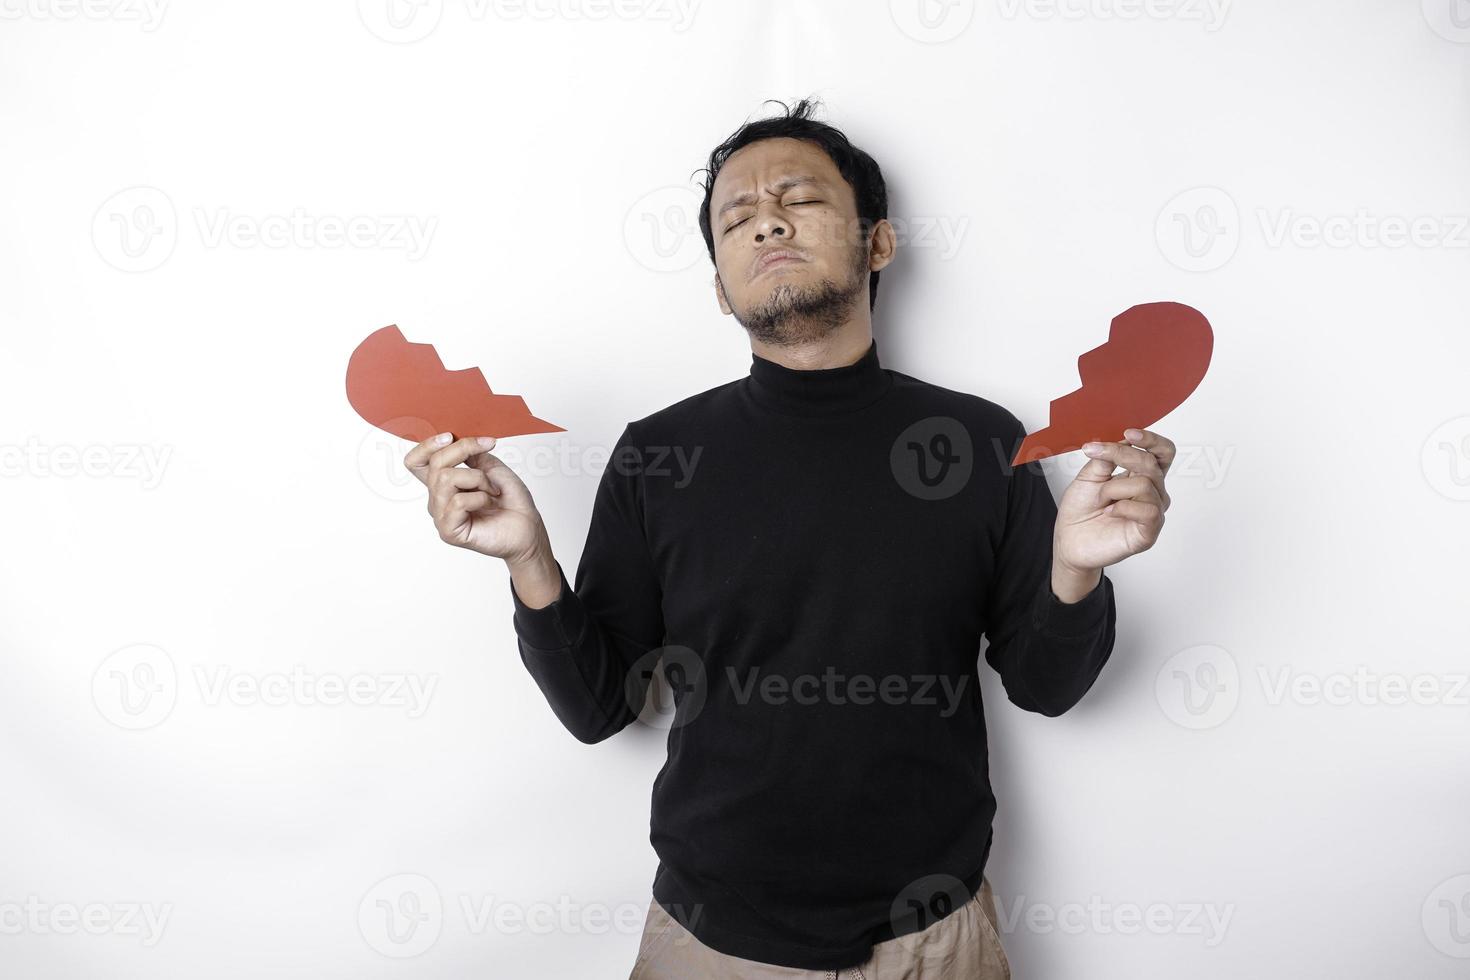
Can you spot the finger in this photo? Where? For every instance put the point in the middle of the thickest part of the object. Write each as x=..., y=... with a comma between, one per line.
x=461, y=478
x=467, y=503
x=1130, y=488
x=457, y=452
x=445, y=484
x=1103, y=459
x=1149, y=517
x=487, y=462
x=1161, y=448
x=1158, y=462
x=1134, y=460
x=1097, y=470
x=1128, y=457
x=452, y=520
x=417, y=460
x=503, y=480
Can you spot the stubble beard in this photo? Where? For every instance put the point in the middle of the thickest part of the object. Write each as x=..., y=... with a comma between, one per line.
x=796, y=314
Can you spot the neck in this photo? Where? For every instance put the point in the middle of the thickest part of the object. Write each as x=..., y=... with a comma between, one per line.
x=835, y=383
x=841, y=347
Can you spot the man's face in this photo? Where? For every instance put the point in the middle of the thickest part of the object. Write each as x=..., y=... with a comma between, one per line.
x=785, y=197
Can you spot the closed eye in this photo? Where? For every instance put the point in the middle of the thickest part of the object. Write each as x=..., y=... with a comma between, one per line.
x=743, y=220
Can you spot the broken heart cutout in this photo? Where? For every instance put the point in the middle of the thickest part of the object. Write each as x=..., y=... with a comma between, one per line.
x=1155, y=356
x=403, y=388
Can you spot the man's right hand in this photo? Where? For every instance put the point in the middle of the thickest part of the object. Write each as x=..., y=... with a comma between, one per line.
x=484, y=506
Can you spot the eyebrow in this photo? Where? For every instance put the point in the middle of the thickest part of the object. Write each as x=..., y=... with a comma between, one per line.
x=782, y=186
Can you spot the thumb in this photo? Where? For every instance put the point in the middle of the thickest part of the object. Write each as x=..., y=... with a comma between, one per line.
x=504, y=481
x=1098, y=470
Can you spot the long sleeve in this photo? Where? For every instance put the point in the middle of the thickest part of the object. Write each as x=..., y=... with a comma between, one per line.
x=1047, y=652
x=581, y=649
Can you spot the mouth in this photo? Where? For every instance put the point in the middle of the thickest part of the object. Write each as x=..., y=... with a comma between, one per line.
x=776, y=260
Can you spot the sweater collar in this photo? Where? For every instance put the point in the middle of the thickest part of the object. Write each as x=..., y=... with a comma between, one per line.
x=824, y=391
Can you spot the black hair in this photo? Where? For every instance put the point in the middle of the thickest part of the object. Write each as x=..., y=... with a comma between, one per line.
x=859, y=169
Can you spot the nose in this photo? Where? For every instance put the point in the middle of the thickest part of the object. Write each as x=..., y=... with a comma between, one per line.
x=771, y=224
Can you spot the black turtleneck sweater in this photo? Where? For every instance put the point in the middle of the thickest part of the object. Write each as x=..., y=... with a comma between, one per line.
x=816, y=556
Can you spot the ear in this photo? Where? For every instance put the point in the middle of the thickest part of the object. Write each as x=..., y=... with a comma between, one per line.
x=884, y=245
x=720, y=295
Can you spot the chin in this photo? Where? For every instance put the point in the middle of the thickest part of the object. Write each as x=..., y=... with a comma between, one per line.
x=772, y=283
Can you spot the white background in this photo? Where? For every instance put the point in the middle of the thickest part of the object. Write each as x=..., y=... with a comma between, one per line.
x=173, y=292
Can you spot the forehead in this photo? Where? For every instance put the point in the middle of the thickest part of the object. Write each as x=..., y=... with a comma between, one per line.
x=764, y=162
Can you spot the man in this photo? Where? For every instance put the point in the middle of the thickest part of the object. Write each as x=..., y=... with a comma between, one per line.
x=814, y=551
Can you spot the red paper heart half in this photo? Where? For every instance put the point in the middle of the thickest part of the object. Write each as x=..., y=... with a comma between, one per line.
x=1155, y=356
x=403, y=388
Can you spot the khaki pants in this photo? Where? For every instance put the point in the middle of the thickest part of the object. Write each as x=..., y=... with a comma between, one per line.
x=964, y=945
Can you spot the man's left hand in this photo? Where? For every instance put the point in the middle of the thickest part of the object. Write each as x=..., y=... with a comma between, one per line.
x=1103, y=518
